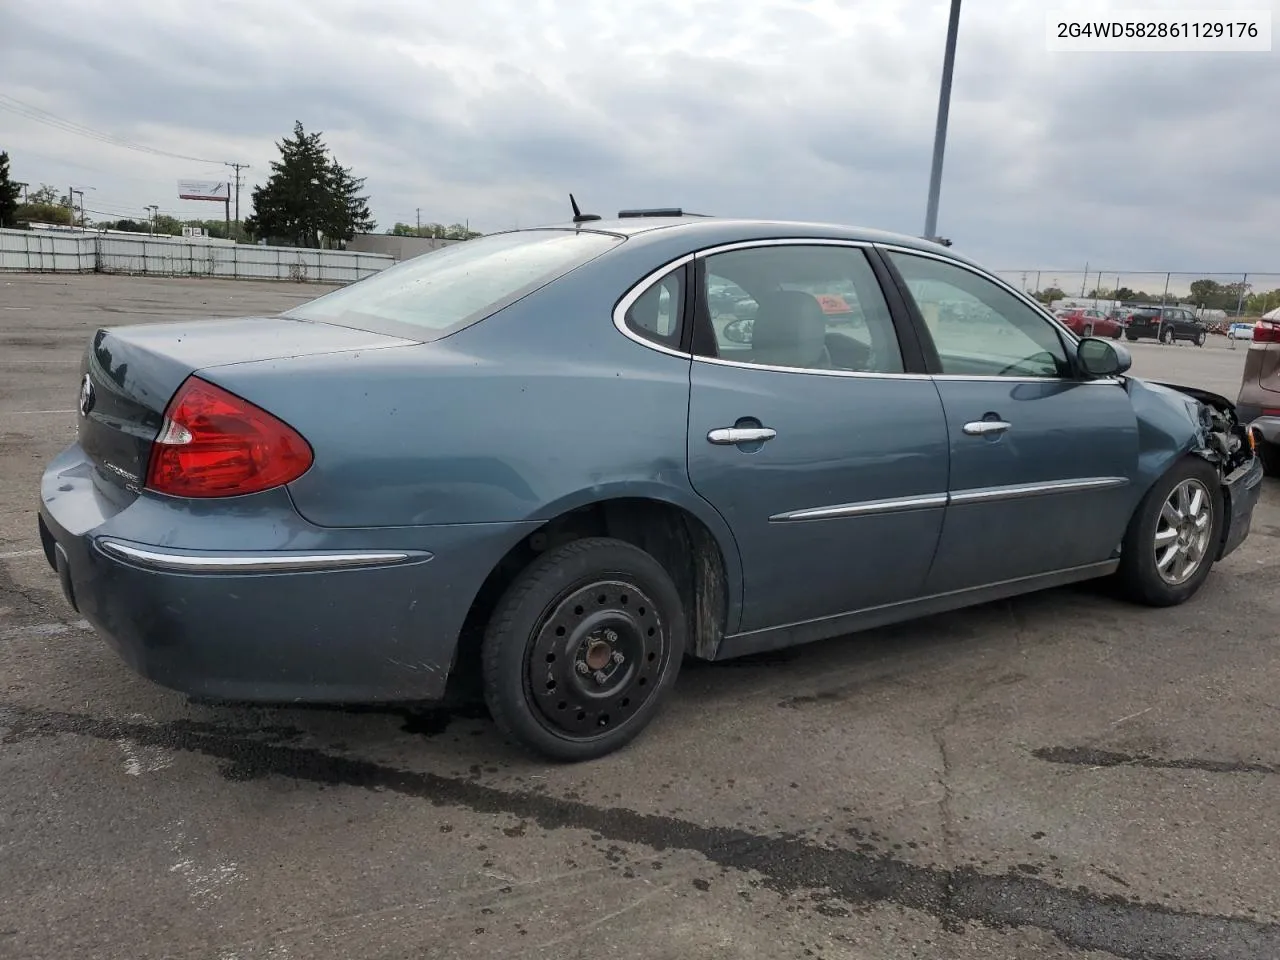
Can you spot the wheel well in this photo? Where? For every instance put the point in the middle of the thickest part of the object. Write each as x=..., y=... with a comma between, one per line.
x=671, y=535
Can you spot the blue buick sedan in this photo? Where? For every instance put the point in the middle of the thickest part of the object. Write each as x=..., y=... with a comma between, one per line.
x=570, y=457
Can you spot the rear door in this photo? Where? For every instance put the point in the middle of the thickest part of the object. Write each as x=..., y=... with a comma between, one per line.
x=814, y=431
x=1041, y=461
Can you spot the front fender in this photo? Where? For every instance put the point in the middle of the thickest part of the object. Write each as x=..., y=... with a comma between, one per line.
x=1174, y=421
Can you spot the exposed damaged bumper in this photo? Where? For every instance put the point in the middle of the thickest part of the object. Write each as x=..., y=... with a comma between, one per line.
x=1241, y=490
x=1224, y=441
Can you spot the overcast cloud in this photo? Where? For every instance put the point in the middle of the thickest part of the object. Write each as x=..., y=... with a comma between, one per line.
x=493, y=110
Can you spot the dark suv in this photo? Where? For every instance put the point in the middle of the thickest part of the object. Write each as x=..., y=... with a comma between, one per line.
x=1166, y=324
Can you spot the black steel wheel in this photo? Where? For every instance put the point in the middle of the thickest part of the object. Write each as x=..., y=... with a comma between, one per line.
x=582, y=649
x=1269, y=454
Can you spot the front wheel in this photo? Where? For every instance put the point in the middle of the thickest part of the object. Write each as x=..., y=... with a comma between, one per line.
x=582, y=649
x=1131, y=337
x=1169, y=547
x=1088, y=330
x=1115, y=335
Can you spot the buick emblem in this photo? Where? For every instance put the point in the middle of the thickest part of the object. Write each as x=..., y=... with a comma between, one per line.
x=86, y=396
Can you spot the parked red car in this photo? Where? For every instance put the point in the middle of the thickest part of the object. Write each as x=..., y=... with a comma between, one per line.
x=1088, y=322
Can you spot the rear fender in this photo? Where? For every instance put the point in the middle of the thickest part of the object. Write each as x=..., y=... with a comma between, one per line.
x=680, y=497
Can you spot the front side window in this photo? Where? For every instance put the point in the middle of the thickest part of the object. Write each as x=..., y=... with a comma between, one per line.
x=433, y=295
x=978, y=327
x=810, y=307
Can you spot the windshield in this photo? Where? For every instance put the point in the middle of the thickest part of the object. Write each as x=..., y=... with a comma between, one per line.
x=438, y=293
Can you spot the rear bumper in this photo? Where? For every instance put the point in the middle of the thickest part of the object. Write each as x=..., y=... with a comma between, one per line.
x=1268, y=428
x=1241, y=490
x=249, y=602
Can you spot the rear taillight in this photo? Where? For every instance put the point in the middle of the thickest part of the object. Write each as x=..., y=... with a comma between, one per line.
x=1266, y=331
x=214, y=444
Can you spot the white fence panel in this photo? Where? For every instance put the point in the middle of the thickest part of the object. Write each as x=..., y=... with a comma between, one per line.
x=30, y=250
x=45, y=252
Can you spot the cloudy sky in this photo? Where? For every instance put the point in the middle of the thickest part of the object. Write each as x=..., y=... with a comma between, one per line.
x=493, y=110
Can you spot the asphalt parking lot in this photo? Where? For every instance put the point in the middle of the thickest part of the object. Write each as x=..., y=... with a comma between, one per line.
x=1057, y=776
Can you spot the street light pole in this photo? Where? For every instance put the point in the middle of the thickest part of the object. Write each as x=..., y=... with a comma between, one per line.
x=940, y=135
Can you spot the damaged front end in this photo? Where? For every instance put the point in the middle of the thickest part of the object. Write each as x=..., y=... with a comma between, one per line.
x=1218, y=436
x=1223, y=439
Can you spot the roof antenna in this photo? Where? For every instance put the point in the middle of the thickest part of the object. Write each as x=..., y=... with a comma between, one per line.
x=578, y=215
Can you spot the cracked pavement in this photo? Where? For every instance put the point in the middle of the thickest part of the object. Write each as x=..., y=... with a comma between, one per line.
x=1057, y=777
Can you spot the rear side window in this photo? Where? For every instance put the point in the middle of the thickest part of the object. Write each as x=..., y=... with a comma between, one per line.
x=656, y=314
x=438, y=293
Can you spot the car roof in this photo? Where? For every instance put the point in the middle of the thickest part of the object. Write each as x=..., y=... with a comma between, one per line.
x=709, y=231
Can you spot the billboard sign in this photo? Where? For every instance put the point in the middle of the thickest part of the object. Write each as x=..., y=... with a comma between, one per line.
x=204, y=190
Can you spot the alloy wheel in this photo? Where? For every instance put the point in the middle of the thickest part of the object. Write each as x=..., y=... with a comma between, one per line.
x=1183, y=531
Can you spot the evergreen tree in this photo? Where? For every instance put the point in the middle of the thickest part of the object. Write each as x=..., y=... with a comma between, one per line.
x=309, y=195
x=8, y=194
x=350, y=213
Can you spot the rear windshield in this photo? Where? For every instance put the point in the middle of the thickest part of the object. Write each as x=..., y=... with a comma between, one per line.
x=433, y=295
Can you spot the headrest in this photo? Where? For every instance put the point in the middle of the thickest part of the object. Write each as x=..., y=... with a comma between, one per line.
x=789, y=330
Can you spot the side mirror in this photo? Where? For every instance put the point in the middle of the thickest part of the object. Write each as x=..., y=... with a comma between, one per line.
x=739, y=331
x=1102, y=358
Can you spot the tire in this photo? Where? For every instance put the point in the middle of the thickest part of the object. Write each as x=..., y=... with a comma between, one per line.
x=1269, y=454
x=1165, y=336
x=1200, y=338
x=1131, y=337
x=1139, y=576
x=552, y=638
x=1116, y=334
x=1088, y=330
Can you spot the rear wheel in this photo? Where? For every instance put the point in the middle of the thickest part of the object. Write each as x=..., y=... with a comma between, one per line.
x=583, y=648
x=1166, y=336
x=1131, y=337
x=1115, y=334
x=1169, y=546
x=1200, y=338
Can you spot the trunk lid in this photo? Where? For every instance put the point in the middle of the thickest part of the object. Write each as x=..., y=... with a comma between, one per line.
x=129, y=374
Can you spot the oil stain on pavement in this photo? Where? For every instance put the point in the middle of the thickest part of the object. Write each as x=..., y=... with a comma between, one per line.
x=1083, y=919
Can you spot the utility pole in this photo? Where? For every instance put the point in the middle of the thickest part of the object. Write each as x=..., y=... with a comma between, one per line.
x=152, y=209
x=237, y=167
x=19, y=183
x=940, y=134
x=418, y=213
x=71, y=197
x=1244, y=286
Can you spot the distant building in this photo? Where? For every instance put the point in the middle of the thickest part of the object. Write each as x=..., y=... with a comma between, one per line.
x=402, y=248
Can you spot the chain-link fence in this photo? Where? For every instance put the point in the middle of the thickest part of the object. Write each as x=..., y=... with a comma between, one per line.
x=1232, y=294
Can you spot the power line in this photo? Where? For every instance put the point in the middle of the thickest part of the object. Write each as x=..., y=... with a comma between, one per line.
x=23, y=109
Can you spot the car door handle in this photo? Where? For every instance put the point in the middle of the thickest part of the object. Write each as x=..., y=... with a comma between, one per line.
x=732, y=435
x=983, y=428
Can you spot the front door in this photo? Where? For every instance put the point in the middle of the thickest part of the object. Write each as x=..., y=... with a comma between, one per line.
x=807, y=433
x=1042, y=462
